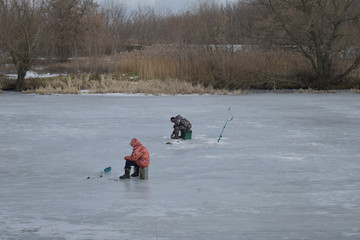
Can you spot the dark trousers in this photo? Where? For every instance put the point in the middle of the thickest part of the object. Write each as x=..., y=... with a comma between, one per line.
x=129, y=163
x=176, y=132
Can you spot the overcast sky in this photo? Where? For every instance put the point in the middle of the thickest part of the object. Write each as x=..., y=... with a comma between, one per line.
x=173, y=5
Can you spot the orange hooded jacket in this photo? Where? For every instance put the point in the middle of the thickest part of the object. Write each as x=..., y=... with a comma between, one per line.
x=140, y=154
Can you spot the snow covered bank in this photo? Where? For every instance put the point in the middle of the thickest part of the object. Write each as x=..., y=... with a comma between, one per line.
x=32, y=74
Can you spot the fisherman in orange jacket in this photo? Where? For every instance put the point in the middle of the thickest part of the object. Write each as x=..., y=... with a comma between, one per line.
x=139, y=158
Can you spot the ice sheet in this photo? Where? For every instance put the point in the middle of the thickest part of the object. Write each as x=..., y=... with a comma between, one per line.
x=287, y=167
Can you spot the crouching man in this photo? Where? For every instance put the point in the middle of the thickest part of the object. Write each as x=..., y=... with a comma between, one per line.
x=180, y=124
x=139, y=158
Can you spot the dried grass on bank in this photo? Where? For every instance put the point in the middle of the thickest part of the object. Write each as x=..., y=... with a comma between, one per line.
x=184, y=70
x=355, y=91
x=249, y=68
x=109, y=84
x=222, y=68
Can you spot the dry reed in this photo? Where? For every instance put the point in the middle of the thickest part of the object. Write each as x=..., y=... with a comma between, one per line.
x=108, y=84
x=221, y=68
x=177, y=69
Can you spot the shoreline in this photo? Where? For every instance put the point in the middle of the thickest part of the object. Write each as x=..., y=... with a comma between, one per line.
x=222, y=92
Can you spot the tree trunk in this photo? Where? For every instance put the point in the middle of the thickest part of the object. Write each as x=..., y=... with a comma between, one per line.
x=20, y=82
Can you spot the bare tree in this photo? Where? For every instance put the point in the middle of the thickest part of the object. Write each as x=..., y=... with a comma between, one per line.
x=241, y=20
x=21, y=28
x=145, y=25
x=319, y=29
x=66, y=24
x=207, y=22
x=116, y=21
x=94, y=38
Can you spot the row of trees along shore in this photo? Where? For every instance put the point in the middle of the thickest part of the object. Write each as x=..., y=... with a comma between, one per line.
x=243, y=44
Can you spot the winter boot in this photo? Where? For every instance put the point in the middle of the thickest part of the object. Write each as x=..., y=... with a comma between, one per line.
x=136, y=172
x=126, y=175
x=175, y=134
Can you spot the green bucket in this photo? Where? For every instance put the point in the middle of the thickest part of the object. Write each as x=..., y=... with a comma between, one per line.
x=187, y=134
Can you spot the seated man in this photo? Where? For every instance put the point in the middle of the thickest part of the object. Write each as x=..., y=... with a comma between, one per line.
x=180, y=124
x=139, y=158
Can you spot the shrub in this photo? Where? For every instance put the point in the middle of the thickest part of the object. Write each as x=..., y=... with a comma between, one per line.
x=7, y=84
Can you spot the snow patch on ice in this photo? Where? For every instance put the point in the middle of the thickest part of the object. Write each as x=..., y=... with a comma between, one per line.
x=291, y=158
x=200, y=141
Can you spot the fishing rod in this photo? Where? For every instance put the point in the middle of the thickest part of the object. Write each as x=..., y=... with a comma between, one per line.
x=106, y=170
x=232, y=117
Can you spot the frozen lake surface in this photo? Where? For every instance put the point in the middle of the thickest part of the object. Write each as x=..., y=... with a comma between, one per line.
x=287, y=167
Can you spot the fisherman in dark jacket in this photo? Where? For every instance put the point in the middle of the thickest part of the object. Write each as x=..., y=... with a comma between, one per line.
x=180, y=124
